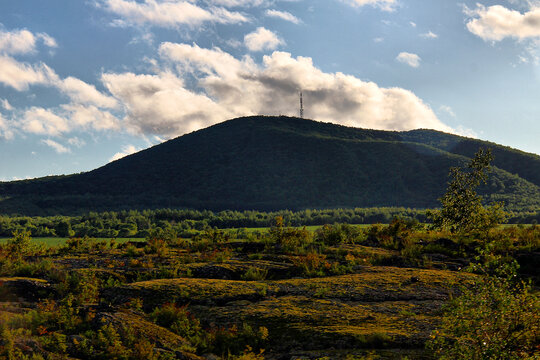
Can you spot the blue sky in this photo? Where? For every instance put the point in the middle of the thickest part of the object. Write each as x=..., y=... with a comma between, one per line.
x=86, y=82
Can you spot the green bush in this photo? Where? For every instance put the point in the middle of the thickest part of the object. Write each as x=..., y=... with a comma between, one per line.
x=254, y=274
x=496, y=318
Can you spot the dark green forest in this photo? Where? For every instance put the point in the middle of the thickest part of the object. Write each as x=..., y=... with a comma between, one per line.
x=275, y=163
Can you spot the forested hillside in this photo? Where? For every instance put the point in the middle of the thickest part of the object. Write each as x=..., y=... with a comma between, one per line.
x=273, y=163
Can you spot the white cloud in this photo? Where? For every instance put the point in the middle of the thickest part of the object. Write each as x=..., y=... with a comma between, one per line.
x=89, y=117
x=169, y=14
x=494, y=23
x=410, y=59
x=385, y=5
x=126, y=150
x=81, y=92
x=18, y=42
x=47, y=40
x=283, y=15
x=65, y=119
x=262, y=39
x=160, y=104
x=59, y=148
x=429, y=35
x=42, y=121
x=412, y=23
x=20, y=75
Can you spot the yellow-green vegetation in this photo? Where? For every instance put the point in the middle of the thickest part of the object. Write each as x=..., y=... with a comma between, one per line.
x=341, y=292
x=61, y=241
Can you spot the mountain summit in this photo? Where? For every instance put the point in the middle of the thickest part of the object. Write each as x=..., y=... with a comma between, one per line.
x=270, y=163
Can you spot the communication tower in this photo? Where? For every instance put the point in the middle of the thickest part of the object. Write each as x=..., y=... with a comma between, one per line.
x=301, y=106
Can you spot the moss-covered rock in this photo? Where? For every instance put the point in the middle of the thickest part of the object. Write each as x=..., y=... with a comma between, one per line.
x=20, y=288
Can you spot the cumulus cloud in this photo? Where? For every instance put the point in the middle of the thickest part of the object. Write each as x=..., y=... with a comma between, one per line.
x=494, y=23
x=81, y=92
x=44, y=122
x=410, y=59
x=85, y=110
x=65, y=119
x=283, y=15
x=18, y=42
x=89, y=117
x=160, y=104
x=385, y=5
x=21, y=75
x=126, y=150
x=169, y=14
x=262, y=39
x=59, y=148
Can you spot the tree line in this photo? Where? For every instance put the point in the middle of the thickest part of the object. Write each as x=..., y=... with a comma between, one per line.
x=187, y=223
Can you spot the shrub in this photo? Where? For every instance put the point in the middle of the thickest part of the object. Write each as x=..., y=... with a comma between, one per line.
x=20, y=245
x=223, y=340
x=253, y=274
x=179, y=320
x=496, y=318
x=312, y=264
x=286, y=239
x=217, y=255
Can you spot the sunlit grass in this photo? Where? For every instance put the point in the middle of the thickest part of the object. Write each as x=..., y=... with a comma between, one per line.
x=56, y=242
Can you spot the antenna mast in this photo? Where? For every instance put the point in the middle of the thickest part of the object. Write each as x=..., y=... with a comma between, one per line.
x=301, y=106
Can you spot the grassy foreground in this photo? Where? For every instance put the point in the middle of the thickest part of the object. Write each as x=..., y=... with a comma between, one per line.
x=337, y=292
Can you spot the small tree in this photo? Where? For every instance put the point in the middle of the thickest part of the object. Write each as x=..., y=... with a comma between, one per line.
x=462, y=210
x=20, y=245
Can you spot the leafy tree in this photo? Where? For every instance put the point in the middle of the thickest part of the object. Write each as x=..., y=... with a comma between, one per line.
x=462, y=210
x=63, y=229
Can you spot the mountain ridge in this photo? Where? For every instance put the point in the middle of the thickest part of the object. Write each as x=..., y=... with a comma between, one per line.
x=273, y=163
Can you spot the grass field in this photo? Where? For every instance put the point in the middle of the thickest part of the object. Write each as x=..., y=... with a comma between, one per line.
x=55, y=242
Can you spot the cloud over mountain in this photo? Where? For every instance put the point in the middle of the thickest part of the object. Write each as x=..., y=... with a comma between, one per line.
x=162, y=104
